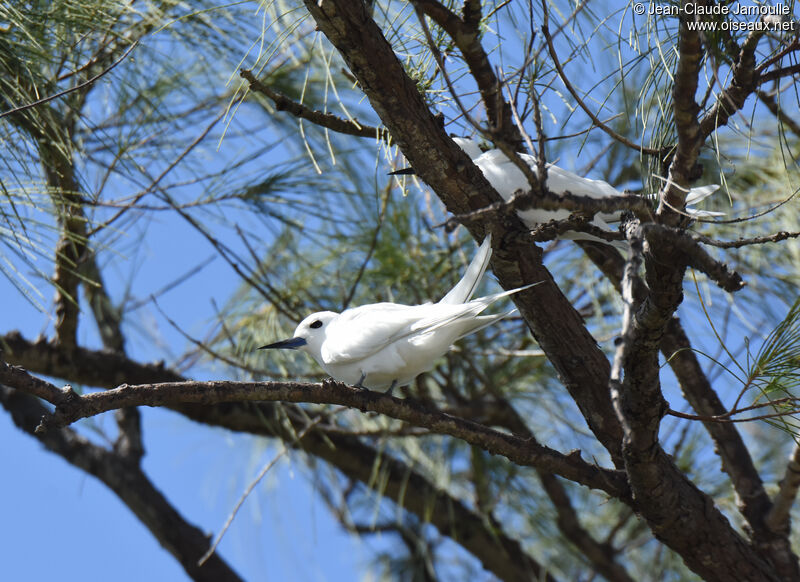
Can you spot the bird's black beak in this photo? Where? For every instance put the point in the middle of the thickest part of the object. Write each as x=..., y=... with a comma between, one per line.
x=403, y=172
x=289, y=344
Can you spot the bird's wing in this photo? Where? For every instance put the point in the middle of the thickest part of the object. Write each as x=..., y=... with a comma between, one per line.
x=501, y=173
x=465, y=288
x=507, y=178
x=560, y=180
x=362, y=331
x=695, y=195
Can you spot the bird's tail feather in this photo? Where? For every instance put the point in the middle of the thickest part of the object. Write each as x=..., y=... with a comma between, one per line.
x=466, y=287
x=478, y=323
x=700, y=193
x=468, y=311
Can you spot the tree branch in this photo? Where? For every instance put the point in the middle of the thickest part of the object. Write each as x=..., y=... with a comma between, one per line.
x=517, y=450
x=328, y=120
x=661, y=236
x=779, y=517
x=744, y=82
x=753, y=501
x=685, y=111
x=466, y=36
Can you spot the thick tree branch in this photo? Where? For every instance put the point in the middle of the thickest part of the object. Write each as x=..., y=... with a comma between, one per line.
x=74, y=407
x=672, y=505
x=80, y=365
x=753, y=501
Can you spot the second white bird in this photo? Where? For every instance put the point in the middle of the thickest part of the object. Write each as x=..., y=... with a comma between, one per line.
x=383, y=345
x=506, y=178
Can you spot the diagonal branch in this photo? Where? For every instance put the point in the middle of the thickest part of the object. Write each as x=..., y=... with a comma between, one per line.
x=744, y=82
x=332, y=122
x=685, y=110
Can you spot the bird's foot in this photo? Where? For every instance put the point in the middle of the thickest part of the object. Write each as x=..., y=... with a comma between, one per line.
x=391, y=388
x=360, y=383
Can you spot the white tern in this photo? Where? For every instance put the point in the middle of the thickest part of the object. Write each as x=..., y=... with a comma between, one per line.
x=386, y=344
x=507, y=178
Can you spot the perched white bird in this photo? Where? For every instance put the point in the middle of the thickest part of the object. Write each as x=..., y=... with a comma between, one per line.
x=386, y=344
x=507, y=178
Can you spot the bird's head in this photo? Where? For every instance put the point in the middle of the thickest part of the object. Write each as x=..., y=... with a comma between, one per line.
x=308, y=336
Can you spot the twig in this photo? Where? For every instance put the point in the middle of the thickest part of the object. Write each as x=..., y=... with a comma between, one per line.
x=725, y=418
x=437, y=55
x=72, y=89
x=742, y=242
x=20, y=379
x=327, y=120
x=264, y=470
x=697, y=257
x=564, y=79
x=373, y=245
x=154, y=184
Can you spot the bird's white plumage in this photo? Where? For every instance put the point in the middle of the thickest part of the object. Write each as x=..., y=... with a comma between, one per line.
x=390, y=344
x=507, y=178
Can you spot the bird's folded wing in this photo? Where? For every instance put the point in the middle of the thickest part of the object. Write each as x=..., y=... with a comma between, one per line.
x=362, y=331
x=560, y=181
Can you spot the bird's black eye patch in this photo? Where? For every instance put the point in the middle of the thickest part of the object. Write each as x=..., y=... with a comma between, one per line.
x=315, y=324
